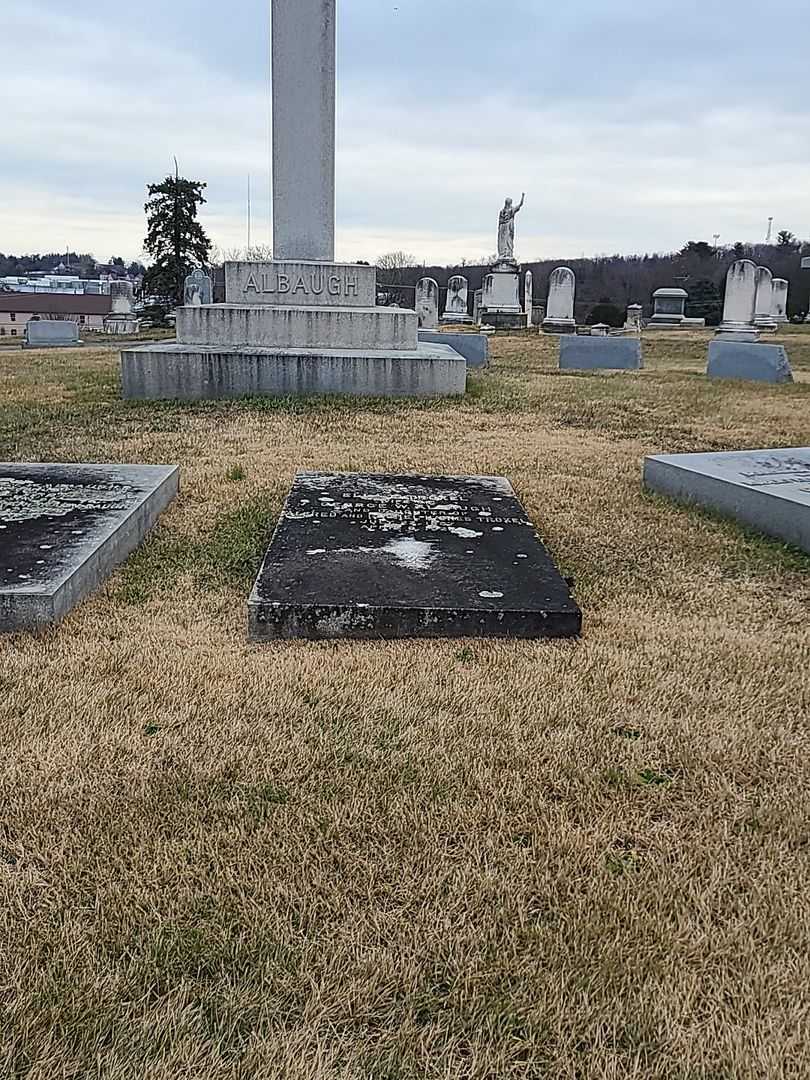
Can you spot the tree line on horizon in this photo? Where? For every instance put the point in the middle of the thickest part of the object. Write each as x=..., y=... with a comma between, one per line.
x=614, y=282
x=177, y=243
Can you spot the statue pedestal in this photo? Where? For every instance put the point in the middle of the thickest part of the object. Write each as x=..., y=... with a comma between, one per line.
x=500, y=300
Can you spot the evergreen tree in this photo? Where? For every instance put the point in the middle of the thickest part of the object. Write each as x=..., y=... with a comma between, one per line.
x=176, y=240
x=705, y=302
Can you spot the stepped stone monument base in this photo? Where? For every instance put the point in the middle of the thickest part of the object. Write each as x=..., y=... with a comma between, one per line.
x=293, y=327
x=210, y=372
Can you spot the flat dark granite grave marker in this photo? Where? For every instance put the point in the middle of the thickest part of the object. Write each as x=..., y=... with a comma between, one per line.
x=381, y=556
x=768, y=490
x=64, y=528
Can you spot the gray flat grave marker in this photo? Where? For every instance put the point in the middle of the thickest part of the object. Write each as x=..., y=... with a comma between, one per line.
x=64, y=528
x=748, y=360
x=768, y=490
x=473, y=347
x=592, y=353
x=381, y=556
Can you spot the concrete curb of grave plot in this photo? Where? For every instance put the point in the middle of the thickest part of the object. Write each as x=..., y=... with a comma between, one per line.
x=600, y=353
x=177, y=372
x=749, y=361
x=66, y=527
x=473, y=347
x=766, y=490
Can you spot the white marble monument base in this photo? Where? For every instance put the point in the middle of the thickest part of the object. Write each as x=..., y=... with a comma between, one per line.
x=199, y=372
x=288, y=327
x=737, y=331
x=559, y=326
x=449, y=319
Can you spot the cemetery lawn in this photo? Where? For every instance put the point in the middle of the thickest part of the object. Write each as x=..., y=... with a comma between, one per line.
x=439, y=860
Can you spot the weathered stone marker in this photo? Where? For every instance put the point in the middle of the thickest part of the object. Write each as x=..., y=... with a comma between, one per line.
x=591, y=353
x=750, y=360
x=64, y=528
x=559, y=318
x=50, y=333
x=455, y=309
x=768, y=490
x=382, y=556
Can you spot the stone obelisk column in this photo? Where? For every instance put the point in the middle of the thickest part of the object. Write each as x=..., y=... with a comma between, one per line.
x=304, y=130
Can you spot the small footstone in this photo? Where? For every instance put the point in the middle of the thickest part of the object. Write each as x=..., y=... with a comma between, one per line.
x=383, y=556
x=64, y=528
x=768, y=490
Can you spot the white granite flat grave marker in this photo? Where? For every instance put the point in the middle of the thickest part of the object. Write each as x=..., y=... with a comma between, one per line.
x=384, y=556
x=64, y=528
x=767, y=490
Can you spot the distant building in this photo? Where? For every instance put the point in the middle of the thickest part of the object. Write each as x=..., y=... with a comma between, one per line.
x=17, y=308
x=55, y=283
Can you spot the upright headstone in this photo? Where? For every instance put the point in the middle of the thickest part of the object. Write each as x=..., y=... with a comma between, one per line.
x=739, y=307
x=560, y=307
x=779, y=310
x=304, y=130
x=455, y=309
x=477, y=295
x=122, y=318
x=763, y=304
x=122, y=296
x=199, y=289
x=528, y=297
x=634, y=318
x=427, y=303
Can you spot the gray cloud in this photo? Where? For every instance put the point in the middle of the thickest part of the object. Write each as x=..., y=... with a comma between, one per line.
x=631, y=128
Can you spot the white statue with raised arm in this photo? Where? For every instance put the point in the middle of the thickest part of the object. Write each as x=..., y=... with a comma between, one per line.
x=506, y=230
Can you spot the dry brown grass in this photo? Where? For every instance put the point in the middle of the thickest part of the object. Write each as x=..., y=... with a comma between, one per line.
x=416, y=860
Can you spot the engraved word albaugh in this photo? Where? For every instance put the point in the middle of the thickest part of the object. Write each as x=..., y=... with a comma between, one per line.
x=314, y=283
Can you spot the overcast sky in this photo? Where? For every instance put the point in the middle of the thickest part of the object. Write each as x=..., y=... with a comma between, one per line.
x=632, y=127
